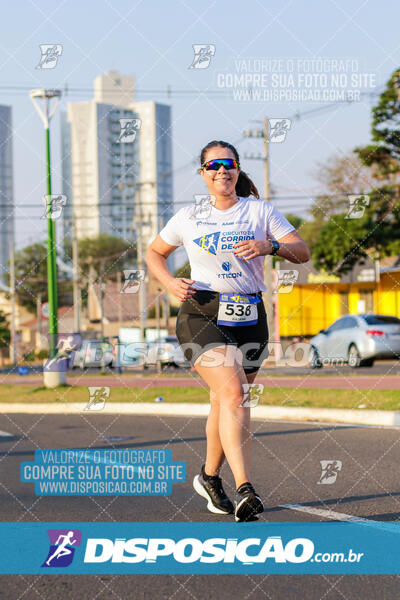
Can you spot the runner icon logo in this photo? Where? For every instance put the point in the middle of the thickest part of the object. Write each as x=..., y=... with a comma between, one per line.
x=62, y=547
x=54, y=204
x=278, y=129
x=202, y=56
x=357, y=206
x=129, y=129
x=202, y=206
x=133, y=280
x=330, y=470
x=50, y=53
x=98, y=396
x=208, y=242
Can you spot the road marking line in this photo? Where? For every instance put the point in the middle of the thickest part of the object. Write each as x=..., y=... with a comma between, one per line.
x=331, y=514
x=333, y=424
x=327, y=514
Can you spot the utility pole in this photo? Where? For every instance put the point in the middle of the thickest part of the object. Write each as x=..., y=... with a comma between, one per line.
x=166, y=309
x=13, y=345
x=268, y=264
x=39, y=319
x=101, y=294
x=268, y=259
x=76, y=289
x=140, y=262
x=119, y=287
x=158, y=313
x=138, y=225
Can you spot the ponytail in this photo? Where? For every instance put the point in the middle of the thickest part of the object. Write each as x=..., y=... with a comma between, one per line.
x=244, y=185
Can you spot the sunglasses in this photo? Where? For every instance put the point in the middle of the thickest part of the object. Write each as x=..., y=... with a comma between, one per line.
x=217, y=163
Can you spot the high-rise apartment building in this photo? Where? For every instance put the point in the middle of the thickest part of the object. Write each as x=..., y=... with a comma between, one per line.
x=6, y=187
x=115, y=183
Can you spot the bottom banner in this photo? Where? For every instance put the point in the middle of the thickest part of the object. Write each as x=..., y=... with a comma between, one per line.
x=357, y=547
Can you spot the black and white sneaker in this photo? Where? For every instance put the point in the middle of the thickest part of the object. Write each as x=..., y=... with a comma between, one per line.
x=211, y=489
x=247, y=503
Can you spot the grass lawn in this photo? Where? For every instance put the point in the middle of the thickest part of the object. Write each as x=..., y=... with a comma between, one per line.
x=363, y=399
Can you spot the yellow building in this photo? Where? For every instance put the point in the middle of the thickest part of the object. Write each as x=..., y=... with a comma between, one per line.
x=312, y=300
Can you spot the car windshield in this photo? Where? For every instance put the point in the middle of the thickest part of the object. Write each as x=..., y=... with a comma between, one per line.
x=381, y=320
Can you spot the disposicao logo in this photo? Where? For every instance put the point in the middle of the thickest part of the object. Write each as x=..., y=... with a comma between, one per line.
x=62, y=547
x=191, y=550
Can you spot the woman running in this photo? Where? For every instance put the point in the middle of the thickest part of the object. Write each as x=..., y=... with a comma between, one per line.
x=221, y=324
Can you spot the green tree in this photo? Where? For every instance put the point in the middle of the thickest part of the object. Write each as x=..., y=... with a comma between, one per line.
x=340, y=176
x=5, y=335
x=342, y=242
x=334, y=247
x=31, y=266
x=30, y=275
x=115, y=253
x=384, y=154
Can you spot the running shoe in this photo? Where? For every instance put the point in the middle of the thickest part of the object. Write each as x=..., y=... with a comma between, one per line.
x=211, y=489
x=247, y=503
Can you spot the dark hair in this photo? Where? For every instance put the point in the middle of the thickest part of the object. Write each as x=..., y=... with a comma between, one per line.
x=244, y=185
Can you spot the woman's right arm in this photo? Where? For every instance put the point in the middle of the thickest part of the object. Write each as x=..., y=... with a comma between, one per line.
x=156, y=259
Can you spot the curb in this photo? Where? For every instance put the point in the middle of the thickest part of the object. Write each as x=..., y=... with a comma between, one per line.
x=382, y=418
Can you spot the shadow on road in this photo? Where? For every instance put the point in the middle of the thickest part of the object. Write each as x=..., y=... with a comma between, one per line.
x=182, y=440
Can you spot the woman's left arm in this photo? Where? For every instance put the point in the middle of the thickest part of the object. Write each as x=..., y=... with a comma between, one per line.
x=291, y=247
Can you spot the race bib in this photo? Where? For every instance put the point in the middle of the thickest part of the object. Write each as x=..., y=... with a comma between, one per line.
x=237, y=309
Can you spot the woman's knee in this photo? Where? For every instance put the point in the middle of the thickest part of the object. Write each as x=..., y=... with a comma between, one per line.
x=231, y=397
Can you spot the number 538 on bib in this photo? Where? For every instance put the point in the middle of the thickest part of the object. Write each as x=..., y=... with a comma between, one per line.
x=239, y=309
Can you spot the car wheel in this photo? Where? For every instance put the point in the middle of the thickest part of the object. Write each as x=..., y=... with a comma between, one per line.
x=353, y=357
x=314, y=359
x=368, y=362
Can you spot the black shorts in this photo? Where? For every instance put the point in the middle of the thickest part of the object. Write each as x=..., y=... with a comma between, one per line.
x=197, y=330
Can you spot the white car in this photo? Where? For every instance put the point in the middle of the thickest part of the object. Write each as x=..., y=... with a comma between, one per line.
x=356, y=340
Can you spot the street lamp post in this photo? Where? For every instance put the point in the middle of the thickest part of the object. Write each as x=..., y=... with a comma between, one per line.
x=46, y=116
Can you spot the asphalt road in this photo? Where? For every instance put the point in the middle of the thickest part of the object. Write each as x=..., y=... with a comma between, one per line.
x=286, y=469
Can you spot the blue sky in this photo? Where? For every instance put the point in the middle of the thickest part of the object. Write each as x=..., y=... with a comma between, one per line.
x=153, y=42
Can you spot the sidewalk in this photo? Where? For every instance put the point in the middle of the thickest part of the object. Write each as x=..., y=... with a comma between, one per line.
x=380, y=418
x=348, y=382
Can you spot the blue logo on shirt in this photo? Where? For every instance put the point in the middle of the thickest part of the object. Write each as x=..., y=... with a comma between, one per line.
x=226, y=265
x=208, y=242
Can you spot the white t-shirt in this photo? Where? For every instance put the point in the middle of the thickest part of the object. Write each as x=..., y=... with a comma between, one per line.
x=209, y=242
